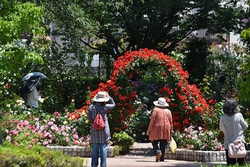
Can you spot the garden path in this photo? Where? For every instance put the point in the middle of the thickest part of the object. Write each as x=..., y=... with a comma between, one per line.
x=141, y=156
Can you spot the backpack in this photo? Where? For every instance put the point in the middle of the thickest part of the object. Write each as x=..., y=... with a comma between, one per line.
x=98, y=123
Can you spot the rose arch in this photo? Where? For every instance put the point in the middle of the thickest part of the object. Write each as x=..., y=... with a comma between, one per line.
x=152, y=74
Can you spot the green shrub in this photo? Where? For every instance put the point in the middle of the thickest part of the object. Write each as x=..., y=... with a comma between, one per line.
x=11, y=155
x=138, y=124
x=124, y=141
x=116, y=150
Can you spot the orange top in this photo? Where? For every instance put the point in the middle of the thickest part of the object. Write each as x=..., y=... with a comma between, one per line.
x=161, y=124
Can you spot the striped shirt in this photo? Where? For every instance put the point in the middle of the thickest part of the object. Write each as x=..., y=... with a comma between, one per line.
x=100, y=136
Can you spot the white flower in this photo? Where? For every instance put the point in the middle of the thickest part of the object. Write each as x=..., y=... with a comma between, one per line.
x=8, y=138
x=145, y=99
x=41, y=100
x=20, y=102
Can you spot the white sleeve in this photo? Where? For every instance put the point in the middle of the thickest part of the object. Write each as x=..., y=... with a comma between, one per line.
x=36, y=94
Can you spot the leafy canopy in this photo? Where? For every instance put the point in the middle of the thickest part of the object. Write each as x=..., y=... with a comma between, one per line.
x=19, y=21
x=21, y=44
x=116, y=26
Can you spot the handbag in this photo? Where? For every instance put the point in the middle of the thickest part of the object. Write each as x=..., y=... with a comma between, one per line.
x=237, y=149
x=172, y=145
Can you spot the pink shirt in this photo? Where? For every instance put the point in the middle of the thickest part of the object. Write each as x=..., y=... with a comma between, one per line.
x=161, y=124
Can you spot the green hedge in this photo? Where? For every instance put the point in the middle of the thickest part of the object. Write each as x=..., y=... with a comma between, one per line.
x=14, y=156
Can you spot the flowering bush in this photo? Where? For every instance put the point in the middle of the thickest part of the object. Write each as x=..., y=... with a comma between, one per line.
x=151, y=73
x=198, y=139
x=138, y=122
x=45, y=130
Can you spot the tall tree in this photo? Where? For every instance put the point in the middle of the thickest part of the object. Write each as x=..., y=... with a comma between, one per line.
x=21, y=45
x=21, y=35
x=115, y=26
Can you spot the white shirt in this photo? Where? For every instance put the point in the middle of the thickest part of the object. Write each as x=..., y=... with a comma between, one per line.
x=33, y=98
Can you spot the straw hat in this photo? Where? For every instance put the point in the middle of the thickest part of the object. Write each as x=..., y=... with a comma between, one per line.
x=101, y=96
x=161, y=102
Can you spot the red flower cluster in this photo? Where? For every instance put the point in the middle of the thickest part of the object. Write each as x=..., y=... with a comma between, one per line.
x=188, y=106
x=73, y=116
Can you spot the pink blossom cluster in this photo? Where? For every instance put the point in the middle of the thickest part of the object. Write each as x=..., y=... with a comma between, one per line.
x=246, y=20
x=199, y=139
x=43, y=132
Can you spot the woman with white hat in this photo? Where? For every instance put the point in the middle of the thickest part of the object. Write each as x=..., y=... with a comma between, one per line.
x=102, y=102
x=160, y=127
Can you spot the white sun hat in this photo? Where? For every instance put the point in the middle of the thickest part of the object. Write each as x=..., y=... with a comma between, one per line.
x=101, y=96
x=161, y=102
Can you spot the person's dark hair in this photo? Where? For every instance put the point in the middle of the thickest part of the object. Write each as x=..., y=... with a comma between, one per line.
x=230, y=107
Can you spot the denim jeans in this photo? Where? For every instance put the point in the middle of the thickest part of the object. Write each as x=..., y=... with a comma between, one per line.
x=99, y=149
x=159, y=146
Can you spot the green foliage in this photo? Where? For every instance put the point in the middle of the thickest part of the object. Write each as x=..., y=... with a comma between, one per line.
x=17, y=19
x=123, y=140
x=11, y=155
x=245, y=35
x=223, y=74
x=214, y=115
x=196, y=52
x=138, y=122
x=20, y=21
x=116, y=150
x=244, y=89
x=220, y=70
x=20, y=46
x=114, y=27
x=137, y=126
x=60, y=90
x=68, y=77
